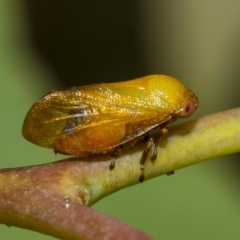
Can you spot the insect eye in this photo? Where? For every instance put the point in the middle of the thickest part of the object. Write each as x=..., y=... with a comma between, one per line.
x=187, y=110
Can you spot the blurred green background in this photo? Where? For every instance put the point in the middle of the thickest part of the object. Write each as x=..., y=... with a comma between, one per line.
x=55, y=44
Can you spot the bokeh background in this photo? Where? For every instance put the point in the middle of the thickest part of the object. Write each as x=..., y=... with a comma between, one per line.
x=57, y=44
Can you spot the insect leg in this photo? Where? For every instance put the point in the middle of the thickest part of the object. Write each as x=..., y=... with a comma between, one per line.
x=163, y=132
x=170, y=173
x=112, y=164
x=57, y=151
x=144, y=157
x=115, y=154
x=154, y=155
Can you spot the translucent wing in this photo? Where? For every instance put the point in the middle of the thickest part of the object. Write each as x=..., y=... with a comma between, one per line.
x=94, y=118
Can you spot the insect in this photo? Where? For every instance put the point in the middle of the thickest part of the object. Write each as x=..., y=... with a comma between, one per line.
x=110, y=117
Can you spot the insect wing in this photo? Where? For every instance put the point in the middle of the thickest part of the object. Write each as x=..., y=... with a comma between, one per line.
x=50, y=116
x=94, y=118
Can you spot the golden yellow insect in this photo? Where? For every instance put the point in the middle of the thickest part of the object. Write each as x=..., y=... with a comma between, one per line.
x=109, y=117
